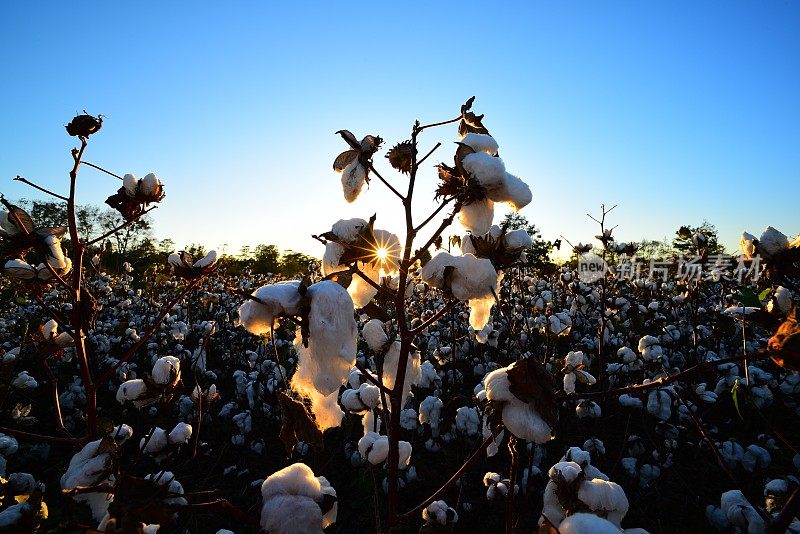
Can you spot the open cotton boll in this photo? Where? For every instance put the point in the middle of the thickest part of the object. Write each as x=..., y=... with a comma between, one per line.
x=432, y=273
x=512, y=191
x=374, y=334
x=282, y=298
x=772, y=241
x=327, y=413
x=207, y=260
x=747, y=245
x=354, y=177
x=519, y=417
x=740, y=513
x=365, y=397
x=180, y=434
x=348, y=229
x=480, y=313
x=517, y=240
x=130, y=183
x=150, y=184
x=158, y=440
x=130, y=390
x=439, y=513
x=481, y=143
x=362, y=291
x=473, y=278
x=604, y=497
x=167, y=370
x=390, y=363
x=659, y=404
x=374, y=447
x=293, y=501
x=332, y=333
x=477, y=217
x=489, y=171
x=331, y=257
x=583, y=523
x=755, y=456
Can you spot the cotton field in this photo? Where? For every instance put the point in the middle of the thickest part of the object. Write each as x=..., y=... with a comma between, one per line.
x=399, y=384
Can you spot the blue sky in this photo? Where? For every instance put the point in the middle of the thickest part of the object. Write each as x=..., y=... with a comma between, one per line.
x=676, y=111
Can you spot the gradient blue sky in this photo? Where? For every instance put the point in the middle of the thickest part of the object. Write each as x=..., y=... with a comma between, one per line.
x=676, y=111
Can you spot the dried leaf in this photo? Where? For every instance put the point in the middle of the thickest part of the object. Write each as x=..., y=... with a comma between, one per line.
x=297, y=424
x=344, y=159
x=785, y=344
x=20, y=218
x=350, y=139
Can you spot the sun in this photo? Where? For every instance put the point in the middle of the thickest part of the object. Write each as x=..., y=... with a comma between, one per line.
x=382, y=253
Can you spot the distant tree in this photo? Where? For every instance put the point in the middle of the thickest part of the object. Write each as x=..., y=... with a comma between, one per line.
x=651, y=248
x=266, y=259
x=697, y=240
x=294, y=263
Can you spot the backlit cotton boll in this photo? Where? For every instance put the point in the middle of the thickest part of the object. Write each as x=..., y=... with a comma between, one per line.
x=481, y=143
x=281, y=299
x=520, y=418
x=477, y=217
x=130, y=182
x=512, y=191
x=325, y=364
x=354, y=177
x=487, y=170
x=772, y=242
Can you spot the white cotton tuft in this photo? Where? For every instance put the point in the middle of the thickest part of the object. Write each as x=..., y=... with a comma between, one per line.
x=150, y=184
x=583, y=523
x=659, y=404
x=374, y=334
x=438, y=513
x=326, y=362
x=293, y=498
x=354, y=177
x=747, y=245
x=517, y=240
x=166, y=370
x=282, y=298
x=604, y=497
x=519, y=417
x=773, y=241
x=477, y=217
x=130, y=183
x=180, y=434
x=331, y=257
x=740, y=513
x=130, y=390
x=481, y=143
x=207, y=260
x=512, y=191
x=347, y=230
x=487, y=170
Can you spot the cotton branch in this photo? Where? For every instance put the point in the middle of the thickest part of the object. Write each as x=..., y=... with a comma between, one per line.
x=40, y=188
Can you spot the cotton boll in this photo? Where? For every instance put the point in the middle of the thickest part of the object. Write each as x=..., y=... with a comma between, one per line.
x=348, y=230
x=659, y=404
x=131, y=390
x=517, y=240
x=275, y=299
x=390, y=362
x=180, y=434
x=167, y=370
x=361, y=291
x=150, y=184
x=157, y=441
x=477, y=217
x=772, y=242
x=512, y=191
x=473, y=278
x=480, y=312
x=487, y=170
x=366, y=397
x=755, y=456
x=605, y=497
x=583, y=523
x=292, y=501
x=519, y=417
x=354, y=177
x=332, y=257
x=207, y=260
x=439, y=513
x=747, y=245
x=331, y=350
x=374, y=334
x=327, y=413
x=130, y=183
x=481, y=143
x=740, y=513
x=781, y=301
x=374, y=447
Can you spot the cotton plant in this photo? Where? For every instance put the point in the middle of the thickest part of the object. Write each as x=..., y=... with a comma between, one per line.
x=574, y=371
x=440, y=514
x=159, y=386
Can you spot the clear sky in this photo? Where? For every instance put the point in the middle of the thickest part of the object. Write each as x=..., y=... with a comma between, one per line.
x=676, y=111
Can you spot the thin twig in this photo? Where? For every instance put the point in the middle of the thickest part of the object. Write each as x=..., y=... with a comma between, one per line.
x=385, y=182
x=40, y=188
x=99, y=168
x=426, y=156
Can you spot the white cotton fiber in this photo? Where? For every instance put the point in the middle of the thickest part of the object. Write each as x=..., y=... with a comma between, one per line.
x=354, y=178
x=347, y=230
x=481, y=143
x=166, y=370
x=583, y=523
x=292, y=498
x=519, y=417
x=487, y=170
x=331, y=257
x=374, y=334
x=477, y=217
x=517, y=240
x=511, y=191
x=275, y=299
